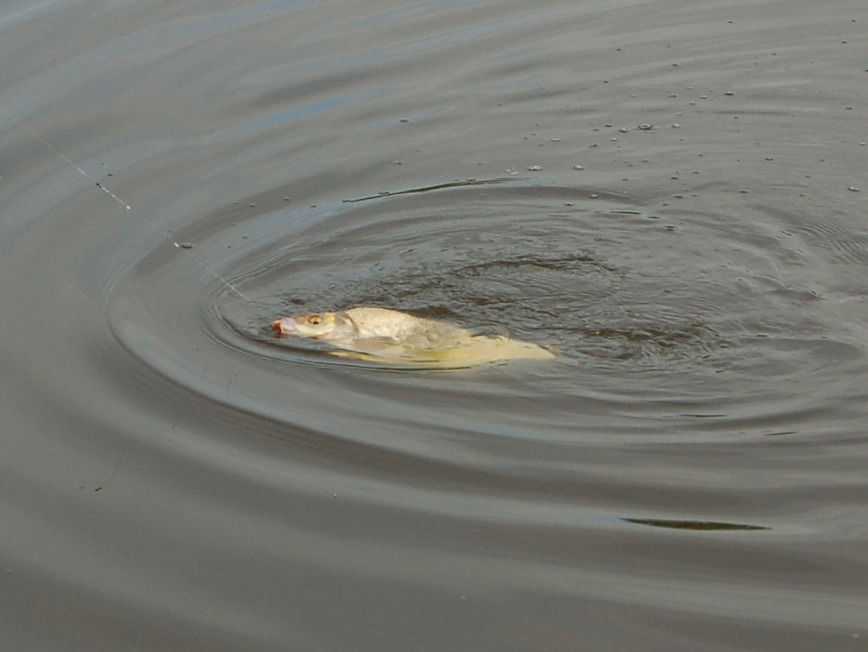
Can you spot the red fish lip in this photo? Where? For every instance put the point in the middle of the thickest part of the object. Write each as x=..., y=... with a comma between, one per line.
x=285, y=326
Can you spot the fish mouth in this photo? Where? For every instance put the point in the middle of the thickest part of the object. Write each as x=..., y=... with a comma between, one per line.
x=285, y=326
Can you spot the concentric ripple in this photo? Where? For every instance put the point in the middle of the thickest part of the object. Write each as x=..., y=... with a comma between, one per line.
x=628, y=296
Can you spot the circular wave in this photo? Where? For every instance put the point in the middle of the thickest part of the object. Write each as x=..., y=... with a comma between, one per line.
x=629, y=297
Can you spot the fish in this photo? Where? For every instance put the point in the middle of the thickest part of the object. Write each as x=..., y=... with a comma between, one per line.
x=393, y=337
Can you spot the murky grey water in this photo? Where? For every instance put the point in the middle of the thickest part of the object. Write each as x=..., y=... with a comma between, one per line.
x=670, y=194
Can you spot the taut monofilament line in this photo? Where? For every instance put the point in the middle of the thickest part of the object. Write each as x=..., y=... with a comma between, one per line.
x=120, y=201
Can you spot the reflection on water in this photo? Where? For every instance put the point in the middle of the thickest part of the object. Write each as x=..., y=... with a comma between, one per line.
x=176, y=477
x=439, y=186
x=693, y=525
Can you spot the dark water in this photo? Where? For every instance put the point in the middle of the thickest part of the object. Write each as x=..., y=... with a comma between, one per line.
x=672, y=195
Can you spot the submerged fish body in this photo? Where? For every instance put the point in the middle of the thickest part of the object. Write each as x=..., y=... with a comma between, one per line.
x=393, y=337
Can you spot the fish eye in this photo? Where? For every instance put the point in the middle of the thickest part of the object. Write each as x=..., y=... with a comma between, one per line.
x=314, y=320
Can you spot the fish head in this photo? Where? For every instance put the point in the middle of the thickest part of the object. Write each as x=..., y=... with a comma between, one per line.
x=310, y=324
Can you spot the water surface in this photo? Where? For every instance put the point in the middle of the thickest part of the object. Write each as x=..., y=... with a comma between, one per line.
x=670, y=195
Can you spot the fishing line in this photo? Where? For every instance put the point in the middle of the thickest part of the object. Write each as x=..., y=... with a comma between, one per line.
x=64, y=158
x=126, y=206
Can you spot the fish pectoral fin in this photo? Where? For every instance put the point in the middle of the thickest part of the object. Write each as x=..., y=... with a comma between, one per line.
x=375, y=344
